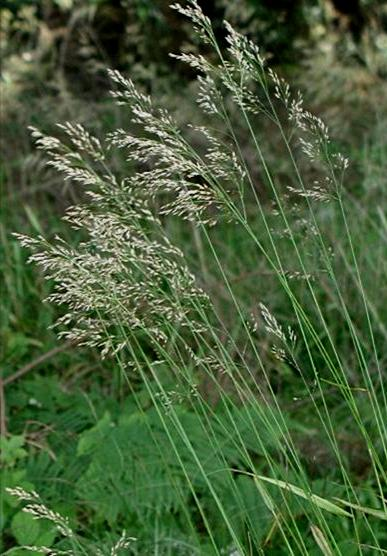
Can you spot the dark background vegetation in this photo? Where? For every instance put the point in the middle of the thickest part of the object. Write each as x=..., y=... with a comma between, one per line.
x=54, y=56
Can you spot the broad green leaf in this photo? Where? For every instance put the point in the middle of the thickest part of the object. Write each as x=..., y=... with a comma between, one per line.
x=47, y=535
x=25, y=528
x=11, y=449
x=12, y=479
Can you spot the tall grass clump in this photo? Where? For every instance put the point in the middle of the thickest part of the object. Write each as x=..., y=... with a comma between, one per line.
x=259, y=341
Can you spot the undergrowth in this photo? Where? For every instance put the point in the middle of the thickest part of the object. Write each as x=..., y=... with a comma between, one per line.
x=240, y=310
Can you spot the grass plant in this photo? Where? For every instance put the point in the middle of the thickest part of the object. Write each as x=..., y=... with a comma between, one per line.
x=246, y=320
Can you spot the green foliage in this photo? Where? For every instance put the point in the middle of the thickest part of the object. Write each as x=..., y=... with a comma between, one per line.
x=264, y=452
x=137, y=470
x=24, y=528
x=12, y=450
x=149, y=463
